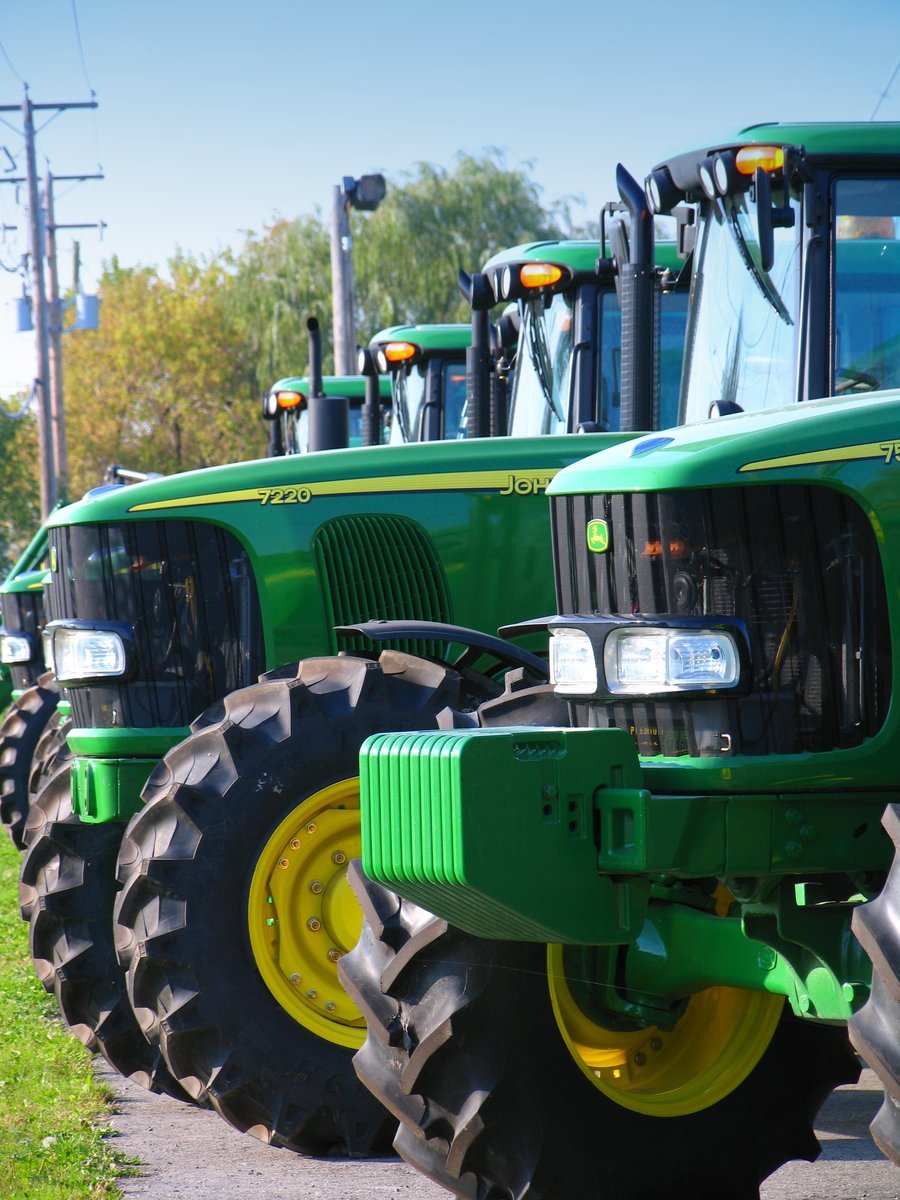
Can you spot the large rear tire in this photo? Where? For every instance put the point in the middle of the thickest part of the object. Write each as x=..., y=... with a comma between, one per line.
x=875, y=1029
x=66, y=893
x=465, y=1049
x=234, y=908
x=20, y=732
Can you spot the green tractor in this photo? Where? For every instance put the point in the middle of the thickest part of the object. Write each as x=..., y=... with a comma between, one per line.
x=204, y=962
x=31, y=719
x=641, y=969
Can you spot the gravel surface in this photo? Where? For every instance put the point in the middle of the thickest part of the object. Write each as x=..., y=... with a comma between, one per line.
x=189, y=1152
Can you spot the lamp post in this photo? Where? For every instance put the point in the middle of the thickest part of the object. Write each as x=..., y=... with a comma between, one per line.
x=365, y=194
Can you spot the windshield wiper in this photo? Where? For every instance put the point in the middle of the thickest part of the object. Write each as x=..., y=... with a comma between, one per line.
x=539, y=353
x=760, y=278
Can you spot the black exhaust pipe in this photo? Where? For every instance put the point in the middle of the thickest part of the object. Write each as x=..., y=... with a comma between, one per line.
x=477, y=290
x=329, y=416
x=371, y=409
x=639, y=295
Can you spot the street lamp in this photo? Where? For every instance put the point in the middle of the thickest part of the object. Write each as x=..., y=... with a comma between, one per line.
x=365, y=194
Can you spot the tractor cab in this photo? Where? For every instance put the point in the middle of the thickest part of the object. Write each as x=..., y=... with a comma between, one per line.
x=791, y=232
x=286, y=406
x=568, y=362
x=426, y=367
x=23, y=615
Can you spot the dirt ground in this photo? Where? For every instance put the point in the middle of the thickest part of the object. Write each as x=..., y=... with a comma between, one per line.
x=191, y=1153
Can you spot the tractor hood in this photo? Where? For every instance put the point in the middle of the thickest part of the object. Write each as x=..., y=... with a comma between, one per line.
x=818, y=439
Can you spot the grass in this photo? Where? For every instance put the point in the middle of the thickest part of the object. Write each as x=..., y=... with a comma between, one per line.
x=53, y=1109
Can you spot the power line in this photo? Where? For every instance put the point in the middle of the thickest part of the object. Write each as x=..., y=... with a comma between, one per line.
x=884, y=94
x=81, y=49
x=87, y=78
x=9, y=62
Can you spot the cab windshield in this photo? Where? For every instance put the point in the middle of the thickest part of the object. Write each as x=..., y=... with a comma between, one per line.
x=543, y=379
x=742, y=339
x=866, y=317
x=408, y=395
x=411, y=388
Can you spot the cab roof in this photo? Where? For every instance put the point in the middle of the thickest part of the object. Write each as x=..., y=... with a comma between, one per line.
x=429, y=338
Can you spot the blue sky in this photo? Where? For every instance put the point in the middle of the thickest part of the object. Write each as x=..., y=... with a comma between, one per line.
x=215, y=116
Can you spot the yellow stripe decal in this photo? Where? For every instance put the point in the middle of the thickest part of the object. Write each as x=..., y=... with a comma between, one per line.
x=887, y=451
x=507, y=483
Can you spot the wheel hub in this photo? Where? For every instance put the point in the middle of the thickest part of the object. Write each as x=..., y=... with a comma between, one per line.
x=302, y=915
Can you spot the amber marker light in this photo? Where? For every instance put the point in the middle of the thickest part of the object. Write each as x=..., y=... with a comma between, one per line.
x=289, y=399
x=396, y=352
x=748, y=158
x=535, y=275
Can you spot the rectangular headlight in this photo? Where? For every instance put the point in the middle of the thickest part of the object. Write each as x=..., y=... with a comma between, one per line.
x=15, y=648
x=645, y=661
x=573, y=665
x=83, y=654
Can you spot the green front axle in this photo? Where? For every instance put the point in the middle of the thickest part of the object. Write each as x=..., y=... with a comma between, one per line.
x=552, y=835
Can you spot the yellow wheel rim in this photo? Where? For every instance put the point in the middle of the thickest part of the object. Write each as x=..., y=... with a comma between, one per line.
x=303, y=916
x=717, y=1042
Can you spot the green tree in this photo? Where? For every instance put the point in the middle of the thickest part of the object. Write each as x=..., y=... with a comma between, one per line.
x=407, y=254
x=165, y=383
x=281, y=277
x=20, y=500
x=406, y=257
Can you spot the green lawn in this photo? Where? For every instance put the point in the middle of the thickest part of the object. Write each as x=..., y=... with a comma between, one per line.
x=53, y=1109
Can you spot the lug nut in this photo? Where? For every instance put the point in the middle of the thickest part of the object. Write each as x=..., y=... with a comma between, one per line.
x=311, y=828
x=315, y=887
x=314, y=924
x=331, y=1006
x=295, y=843
x=656, y=1043
x=295, y=978
x=339, y=857
x=334, y=955
x=312, y=994
x=640, y=1058
x=283, y=863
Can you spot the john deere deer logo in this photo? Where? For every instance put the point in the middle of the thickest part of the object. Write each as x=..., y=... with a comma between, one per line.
x=597, y=536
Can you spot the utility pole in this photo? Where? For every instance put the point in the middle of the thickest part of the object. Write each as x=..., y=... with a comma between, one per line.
x=342, y=286
x=45, y=431
x=55, y=357
x=365, y=193
x=55, y=328
x=51, y=458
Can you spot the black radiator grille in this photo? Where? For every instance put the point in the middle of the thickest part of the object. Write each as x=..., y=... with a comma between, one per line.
x=23, y=612
x=187, y=589
x=798, y=565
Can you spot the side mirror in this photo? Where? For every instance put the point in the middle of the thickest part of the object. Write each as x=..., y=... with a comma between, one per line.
x=768, y=216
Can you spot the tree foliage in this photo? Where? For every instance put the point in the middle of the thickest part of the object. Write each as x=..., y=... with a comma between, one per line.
x=20, y=501
x=165, y=383
x=408, y=254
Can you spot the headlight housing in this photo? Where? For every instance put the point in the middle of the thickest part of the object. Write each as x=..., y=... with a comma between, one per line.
x=83, y=652
x=16, y=648
x=614, y=657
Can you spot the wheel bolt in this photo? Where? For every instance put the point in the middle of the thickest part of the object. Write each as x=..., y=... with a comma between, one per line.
x=295, y=978
x=312, y=994
x=311, y=828
x=314, y=924
x=331, y=1006
x=315, y=887
x=334, y=955
x=295, y=843
x=339, y=857
x=283, y=863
